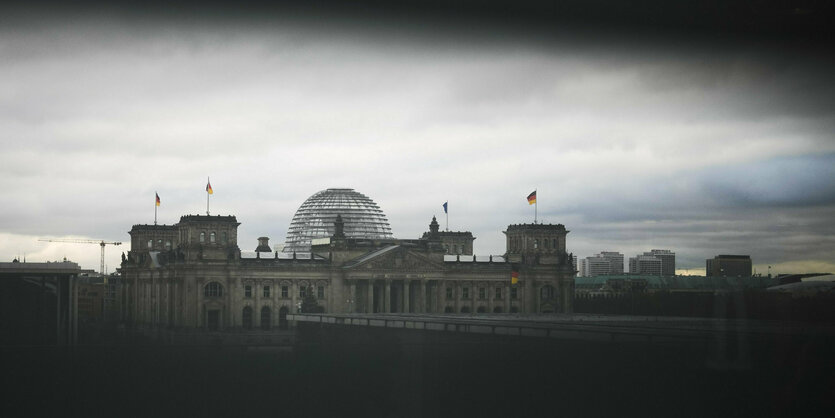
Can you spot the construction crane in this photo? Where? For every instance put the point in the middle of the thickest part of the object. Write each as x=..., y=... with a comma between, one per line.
x=87, y=241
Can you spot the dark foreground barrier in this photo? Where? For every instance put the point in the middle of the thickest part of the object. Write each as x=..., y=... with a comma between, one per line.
x=376, y=372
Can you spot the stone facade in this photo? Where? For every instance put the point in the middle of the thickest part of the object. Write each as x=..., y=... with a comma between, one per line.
x=203, y=281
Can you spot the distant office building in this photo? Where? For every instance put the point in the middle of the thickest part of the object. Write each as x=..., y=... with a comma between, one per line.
x=666, y=258
x=728, y=266
x=668, y=261
x=647, y=265
x=604, y=263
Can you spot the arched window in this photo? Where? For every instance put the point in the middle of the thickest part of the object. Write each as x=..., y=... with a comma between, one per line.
x=150, y=244
x=159, y=243
x=247, y=318
x=213, y=289
x=202, y=236
x=212, y=237
x=224, y=237
x=535, y=243
x=168, y=244
x=545, y=241
x=266, y=313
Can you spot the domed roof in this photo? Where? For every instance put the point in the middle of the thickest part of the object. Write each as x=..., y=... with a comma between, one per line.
x=316, y=216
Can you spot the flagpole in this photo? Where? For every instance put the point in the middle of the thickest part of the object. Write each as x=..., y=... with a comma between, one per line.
x=446, y=211
x=155, y=208
x=535, y=206
x=208, y=182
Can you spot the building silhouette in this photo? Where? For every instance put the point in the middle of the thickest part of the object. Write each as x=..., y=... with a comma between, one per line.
x=193, y=274
x=728, y=266
x=654, y=263
x=606, y=262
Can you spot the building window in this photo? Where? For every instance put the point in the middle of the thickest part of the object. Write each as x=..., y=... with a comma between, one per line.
x=514, y=293
x=213, y=289
x=449, y=293
x=284, y=291
x=465, y=292
x=225, y=237
x=159, y=243
x=202, y=237
x=320, y=292
x=248, y=291
x=302, y=292
x=212, y=237
x=498, y=293
x=545, y=241
x=555, y=243
x=535, y=244
x=150, y=244
x=266, y=291
x=167, y=244
x=482, y=293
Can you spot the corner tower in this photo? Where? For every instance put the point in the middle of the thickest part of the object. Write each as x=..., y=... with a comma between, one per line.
x=536, y=244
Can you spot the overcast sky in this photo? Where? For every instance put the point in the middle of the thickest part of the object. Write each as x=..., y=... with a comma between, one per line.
x=634, y=139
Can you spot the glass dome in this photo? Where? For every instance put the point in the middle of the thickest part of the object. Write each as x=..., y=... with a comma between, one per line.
x=316, y=216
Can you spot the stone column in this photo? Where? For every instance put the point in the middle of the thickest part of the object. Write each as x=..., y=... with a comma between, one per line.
x=198, y=309
x=458, y=290
x=369, y=300
x=294, y=294
x=422, y=304
x=169, y=302
x=256, y=310
x=440, y=294
x=406, y=304
x=387, y=296
x=175, y=317
x=74, y=312
x=507, y=298
x=491, y=294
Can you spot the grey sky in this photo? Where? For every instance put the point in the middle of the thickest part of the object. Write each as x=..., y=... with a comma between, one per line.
x=633, y=144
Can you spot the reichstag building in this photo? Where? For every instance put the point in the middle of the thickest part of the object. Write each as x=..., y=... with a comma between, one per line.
x=339, y=257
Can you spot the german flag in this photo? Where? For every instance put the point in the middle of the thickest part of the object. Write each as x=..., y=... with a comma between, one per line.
x=209, y=188
x=157, y=198
x=532, y=198
x=514, y=277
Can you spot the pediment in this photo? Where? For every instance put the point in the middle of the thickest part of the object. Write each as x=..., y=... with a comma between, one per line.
x=398, y=259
